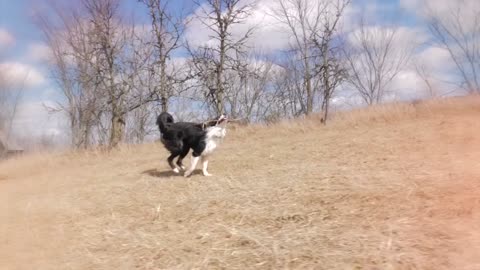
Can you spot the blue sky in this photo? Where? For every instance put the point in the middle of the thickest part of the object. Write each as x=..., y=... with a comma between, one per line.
x=15, y=16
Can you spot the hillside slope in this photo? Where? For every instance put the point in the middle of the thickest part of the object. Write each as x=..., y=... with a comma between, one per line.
x=392, y=187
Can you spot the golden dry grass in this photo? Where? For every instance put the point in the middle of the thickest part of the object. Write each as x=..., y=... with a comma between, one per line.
x=390, y=187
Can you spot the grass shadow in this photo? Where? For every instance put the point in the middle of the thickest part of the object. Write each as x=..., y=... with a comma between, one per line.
x=159, y=174
x=166, y=174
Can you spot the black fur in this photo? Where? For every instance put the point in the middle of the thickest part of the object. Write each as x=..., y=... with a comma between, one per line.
x=178, y=138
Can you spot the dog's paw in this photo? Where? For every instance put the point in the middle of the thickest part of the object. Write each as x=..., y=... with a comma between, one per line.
x=176, y=170
x=206, y=174
x=187, y=174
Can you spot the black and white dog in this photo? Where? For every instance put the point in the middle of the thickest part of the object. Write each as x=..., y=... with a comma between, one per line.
x=179, y=137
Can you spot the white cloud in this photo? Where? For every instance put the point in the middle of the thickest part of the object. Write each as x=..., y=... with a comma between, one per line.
x=411, y=5
x=398, y=44
x=270, y=33
x=15, y=75
x=460, y=20
x=430, y=73
x=435, y=65
x=197, y=33
x=404, y=38
x=38, y=52
x=406, y=85
x=436, y=59
x=446, y=10
x=6, y=39
x=34, y=121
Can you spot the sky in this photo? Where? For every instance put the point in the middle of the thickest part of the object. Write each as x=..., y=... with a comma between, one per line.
x=23, y=52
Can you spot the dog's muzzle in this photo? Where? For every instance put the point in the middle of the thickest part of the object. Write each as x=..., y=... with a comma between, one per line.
x=221, y=119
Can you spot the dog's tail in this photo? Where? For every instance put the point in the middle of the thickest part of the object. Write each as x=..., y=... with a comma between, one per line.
x=164, y=120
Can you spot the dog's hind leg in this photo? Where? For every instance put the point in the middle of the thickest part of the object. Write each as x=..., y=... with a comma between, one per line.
x=170, y=162
x=197, y=152
x=205, y=166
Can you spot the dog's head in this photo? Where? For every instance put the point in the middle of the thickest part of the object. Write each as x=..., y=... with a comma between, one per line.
x=164, y=120
x=220, y=121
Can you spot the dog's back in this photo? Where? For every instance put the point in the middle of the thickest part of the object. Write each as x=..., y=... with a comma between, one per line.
x=178, y=137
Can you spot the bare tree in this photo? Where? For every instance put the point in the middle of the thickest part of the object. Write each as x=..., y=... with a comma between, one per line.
x=167, y=30
x=73, y=66
x=73, y=72
x=101, y=66
x=374, y=59
x=297, y=16
x=210, y=62
x=109, y=43
x=458, y=31
x=141, y=123
x=329, y=66
x=314, y=26
x=248, y=83
x=11, y=93
x=286, y=101
x=425, y=75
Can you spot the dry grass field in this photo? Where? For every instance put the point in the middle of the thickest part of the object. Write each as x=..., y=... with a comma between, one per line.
x=389, y=187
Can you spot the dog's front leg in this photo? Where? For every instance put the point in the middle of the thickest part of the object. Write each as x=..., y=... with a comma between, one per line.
x=192, y=166
x=205, y=166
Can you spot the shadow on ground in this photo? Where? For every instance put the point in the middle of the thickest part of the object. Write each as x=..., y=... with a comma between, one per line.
x=164, y=174
x=161, y=174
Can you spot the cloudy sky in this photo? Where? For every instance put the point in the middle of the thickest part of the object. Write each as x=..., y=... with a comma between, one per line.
x=22, y=51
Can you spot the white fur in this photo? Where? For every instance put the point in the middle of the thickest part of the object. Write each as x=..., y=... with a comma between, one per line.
x=213, y=138
x=192, y=167
x=205, y=166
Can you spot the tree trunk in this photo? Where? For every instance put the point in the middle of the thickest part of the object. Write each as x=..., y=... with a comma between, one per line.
x=326, y=82
x=164, y=103
x=219, y=92
x=118, y=129
x=163, y=84
x=325, y=111
x=308, y=84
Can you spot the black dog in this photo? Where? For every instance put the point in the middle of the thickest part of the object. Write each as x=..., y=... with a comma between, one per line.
x=179, y=137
